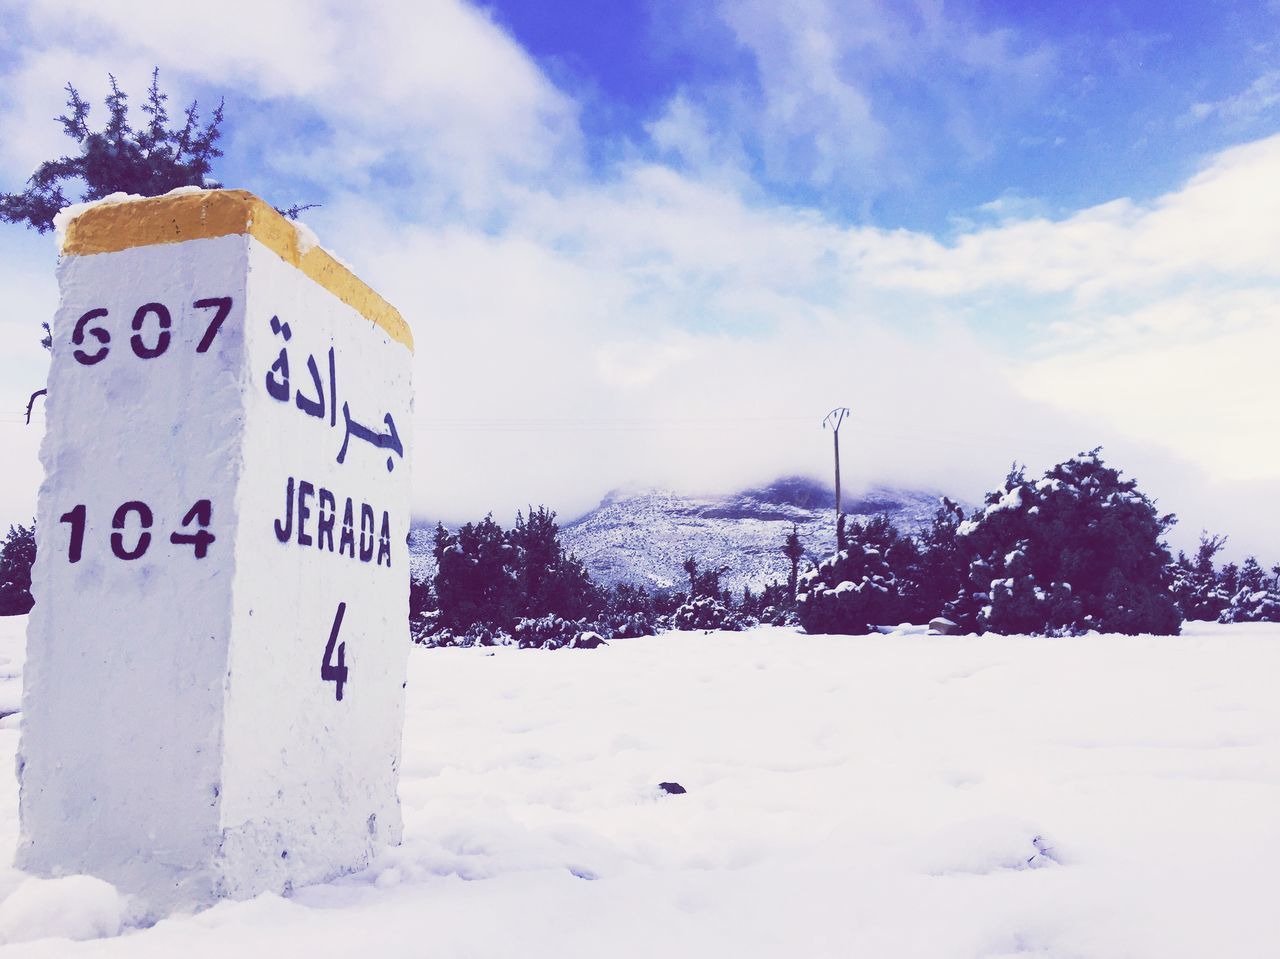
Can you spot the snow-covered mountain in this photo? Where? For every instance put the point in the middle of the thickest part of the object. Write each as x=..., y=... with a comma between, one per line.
x=644, y=536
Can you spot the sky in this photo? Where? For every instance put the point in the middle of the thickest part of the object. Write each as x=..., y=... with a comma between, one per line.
x=652, y=244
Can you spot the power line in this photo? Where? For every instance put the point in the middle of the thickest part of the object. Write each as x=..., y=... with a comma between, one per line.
x=680, y=425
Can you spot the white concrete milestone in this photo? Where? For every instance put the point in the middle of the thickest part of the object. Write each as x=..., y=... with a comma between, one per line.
x=216, y=659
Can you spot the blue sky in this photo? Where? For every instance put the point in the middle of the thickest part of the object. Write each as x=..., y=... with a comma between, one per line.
x=1054, y=106
x=1062, y=103
x=665, y=237
x=1047, y=108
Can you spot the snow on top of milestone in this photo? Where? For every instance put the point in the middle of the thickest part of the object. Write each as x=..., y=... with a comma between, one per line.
x=193, y=213
x=62, y=219
x=307, y=238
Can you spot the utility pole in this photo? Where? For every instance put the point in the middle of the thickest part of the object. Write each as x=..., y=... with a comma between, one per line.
x=834, y=419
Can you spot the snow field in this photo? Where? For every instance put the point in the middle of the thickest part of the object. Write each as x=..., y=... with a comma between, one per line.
x=878, y=796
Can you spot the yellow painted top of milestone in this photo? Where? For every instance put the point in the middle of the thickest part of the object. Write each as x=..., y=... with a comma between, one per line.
x=206, y=214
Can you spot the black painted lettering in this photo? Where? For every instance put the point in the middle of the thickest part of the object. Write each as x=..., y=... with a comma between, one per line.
x=328, y=514
x=117, y=523
x=163, y=319
x=222, y=305
x=97, y=332
x=76, y=517
x=285, y=531
x=305, y=491
x=366, y=532
x=330, y=671
x=384, y=540
x=347, y=542
x=201, y=513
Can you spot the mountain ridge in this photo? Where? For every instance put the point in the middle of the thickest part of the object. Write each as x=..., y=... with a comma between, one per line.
x=643, y=536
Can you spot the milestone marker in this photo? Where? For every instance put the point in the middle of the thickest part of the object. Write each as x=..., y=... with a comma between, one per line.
x=214, y=689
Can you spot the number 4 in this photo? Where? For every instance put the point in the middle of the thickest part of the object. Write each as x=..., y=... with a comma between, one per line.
x=202, y=513
x=329, y=672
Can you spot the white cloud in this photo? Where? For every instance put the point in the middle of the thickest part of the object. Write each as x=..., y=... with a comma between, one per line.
x=815, y=122
x=436, y=80
x=1223, y=224
x=1212, y=394
x=849, y=98
x=686, y=133
x=1260, y=97
x=656, y=328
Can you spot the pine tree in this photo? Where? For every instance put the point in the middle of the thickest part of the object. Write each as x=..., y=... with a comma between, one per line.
x=17, y=556
x=491, y=578
x=856, y=588
x=1229, y=579
x=940, y=570
x=148, y=161
x=475, y=578
x=777, y=605
x=1078, y=550
x=548, y=581
x=1197, y=586
x=793, y=549
x=706, y=582
x=707, y=606
x=690, y=567
x=1256, y=598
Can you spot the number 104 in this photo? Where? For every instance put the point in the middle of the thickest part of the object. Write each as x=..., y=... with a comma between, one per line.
x=197, y=537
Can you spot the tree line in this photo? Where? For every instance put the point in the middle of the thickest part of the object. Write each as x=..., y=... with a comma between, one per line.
x=1078, y=549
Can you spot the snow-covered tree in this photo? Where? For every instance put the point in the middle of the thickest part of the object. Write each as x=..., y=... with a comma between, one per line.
x=793, y=549
x=489, y=576
x=856, y=588
x=704, y=612
x=17, y=555
x=937, y=572
x=706, y=582
x=1256, y=599
x=475, y=576
x=881, y=575
x=1079, y=549
x=548, y=580
x=1197, y=585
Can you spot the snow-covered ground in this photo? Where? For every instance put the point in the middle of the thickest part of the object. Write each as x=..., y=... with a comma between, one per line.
x=879, y=796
